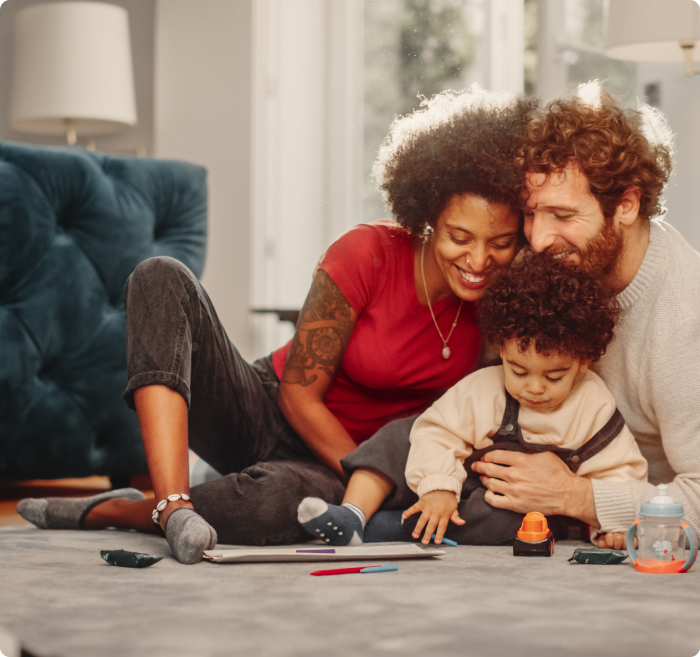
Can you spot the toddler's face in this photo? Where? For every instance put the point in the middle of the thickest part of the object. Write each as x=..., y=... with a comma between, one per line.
x=537, y=381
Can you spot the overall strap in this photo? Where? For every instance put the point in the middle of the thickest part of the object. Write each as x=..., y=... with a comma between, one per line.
x=509, y=436
x=509, y=423
x=600, y=441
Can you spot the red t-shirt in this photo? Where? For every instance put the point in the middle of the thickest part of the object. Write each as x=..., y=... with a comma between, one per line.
x=393, y=366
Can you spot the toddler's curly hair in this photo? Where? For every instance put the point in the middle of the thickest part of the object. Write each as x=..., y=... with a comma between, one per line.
x=457, y=143
x=551, y=306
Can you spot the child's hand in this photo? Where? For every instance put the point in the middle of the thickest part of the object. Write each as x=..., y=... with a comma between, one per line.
x=612, y=541
x=438, y=507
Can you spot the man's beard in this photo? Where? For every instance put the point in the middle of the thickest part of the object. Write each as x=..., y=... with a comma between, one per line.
x=602, y=253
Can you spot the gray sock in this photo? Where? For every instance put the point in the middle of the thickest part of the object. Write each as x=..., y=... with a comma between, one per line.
x=188, y=535
x=68, y=512
x=335, y=525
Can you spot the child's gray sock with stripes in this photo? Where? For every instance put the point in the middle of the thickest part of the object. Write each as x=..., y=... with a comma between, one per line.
x=335, y=525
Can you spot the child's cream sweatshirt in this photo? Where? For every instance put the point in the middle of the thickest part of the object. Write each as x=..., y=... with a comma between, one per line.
x=470, y=412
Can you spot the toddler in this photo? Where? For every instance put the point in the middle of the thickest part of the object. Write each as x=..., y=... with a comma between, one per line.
x=550, y=321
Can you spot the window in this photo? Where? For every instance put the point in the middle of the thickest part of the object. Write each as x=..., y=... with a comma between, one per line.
x=418, y=48
x=564, y=47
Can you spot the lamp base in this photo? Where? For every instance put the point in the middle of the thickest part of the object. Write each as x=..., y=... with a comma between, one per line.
x=71, y=132
x=687, y=47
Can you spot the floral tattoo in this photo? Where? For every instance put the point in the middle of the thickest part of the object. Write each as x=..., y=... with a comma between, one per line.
x=323, y=332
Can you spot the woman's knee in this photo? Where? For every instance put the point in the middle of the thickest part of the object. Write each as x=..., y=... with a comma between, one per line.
x=160, y=268
x=153, y=277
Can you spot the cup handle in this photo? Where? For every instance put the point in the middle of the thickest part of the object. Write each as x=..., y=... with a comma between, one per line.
x=631, y=535
x=693, y=540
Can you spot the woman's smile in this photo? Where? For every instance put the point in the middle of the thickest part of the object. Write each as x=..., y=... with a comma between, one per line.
x=471, y=280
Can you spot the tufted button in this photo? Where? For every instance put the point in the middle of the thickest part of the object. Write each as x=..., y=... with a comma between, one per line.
x=575, y=458
x=509, y=427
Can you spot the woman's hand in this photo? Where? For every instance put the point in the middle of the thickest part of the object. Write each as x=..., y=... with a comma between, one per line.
x=535, y=482
x=438, y=507
x=325, y=325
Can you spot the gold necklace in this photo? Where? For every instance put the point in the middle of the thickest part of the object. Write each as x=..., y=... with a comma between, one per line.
x=446, y=353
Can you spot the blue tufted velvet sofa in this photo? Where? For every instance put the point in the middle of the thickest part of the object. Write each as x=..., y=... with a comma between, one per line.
x=73, y=225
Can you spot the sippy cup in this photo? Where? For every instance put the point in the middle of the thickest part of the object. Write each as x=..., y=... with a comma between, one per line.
x=661, y=537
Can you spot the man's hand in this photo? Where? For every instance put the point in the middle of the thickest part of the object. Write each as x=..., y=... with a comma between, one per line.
x=612, y=541
x=438, y=507
x=535, y=482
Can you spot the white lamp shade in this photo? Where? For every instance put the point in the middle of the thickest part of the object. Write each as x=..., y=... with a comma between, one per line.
x=651, y=30
x=72, y=60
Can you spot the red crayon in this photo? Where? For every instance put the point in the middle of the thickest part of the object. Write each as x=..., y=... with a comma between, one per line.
x=360, y=569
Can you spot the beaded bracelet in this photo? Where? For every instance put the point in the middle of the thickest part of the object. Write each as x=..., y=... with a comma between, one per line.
x=163, y=503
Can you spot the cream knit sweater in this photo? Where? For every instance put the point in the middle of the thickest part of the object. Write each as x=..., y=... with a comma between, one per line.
x=470, y=412
x=652, y=369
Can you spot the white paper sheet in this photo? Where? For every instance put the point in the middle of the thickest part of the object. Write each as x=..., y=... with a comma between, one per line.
x=320, y=553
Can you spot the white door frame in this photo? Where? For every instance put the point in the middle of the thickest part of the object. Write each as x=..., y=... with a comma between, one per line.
x=306, y=147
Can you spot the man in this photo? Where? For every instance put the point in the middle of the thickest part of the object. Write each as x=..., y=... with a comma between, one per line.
x=595, y=175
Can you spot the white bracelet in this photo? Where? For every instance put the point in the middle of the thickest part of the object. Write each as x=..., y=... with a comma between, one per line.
x=163, y=503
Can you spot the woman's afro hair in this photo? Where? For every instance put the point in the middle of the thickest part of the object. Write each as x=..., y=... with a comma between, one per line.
x=550, y=306
x=457, y=143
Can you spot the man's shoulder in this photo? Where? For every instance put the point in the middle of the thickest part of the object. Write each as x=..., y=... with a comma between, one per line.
x=679, y=290
x=675, y=243
x=664, y=298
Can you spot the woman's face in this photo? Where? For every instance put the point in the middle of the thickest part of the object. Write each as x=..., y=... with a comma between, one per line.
x=473, y=239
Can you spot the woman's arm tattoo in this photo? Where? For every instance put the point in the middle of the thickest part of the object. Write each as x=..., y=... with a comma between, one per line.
x=323, y=332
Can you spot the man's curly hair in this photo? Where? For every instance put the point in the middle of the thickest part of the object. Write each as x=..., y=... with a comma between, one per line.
x=616, y=148
x=551, y=306
x=457, y=143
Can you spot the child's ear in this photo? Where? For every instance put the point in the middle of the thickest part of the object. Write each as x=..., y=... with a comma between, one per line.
x=583, y=368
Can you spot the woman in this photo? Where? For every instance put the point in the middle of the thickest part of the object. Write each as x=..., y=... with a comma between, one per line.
x=387, y=327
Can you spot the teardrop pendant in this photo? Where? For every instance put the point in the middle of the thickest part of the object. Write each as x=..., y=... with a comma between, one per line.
x=446, y=352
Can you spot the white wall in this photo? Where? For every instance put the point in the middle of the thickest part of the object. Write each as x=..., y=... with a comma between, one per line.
x=202, y=115
x=307, y=147
x=680, y=101
x=506, y=45
x=141, y=28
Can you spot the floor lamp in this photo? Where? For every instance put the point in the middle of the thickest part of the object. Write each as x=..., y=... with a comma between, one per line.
x=654, y=31
x=72, y=70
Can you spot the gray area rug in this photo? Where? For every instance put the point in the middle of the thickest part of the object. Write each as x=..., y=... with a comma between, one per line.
x=61, y=598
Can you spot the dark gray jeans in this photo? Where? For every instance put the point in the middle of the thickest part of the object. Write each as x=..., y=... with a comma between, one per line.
x=175, y=338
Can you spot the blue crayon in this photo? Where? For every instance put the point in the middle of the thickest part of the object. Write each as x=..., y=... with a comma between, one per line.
x=446, y=541
x=379, y=569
